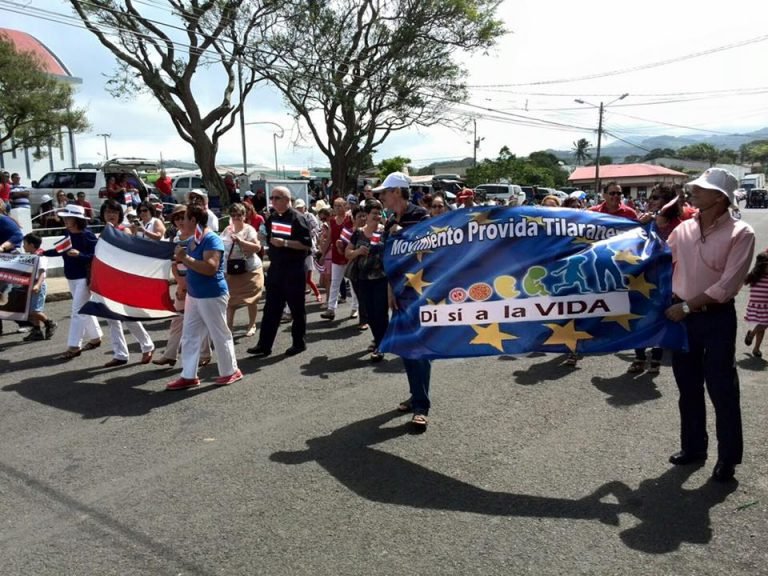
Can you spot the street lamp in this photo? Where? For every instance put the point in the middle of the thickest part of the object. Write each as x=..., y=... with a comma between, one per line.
x=106, y=150
x=599, y=133
x=275, y=136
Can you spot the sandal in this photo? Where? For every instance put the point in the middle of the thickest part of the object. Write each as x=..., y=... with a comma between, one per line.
x=654, y=368
x=638, y=366
x=405, y=406
x=572, y=360
x=419, y=421
x=92, y=345
x=69, y=354
x=757, y=354
x=748, y=338
x=203, y=362
x=376, y=356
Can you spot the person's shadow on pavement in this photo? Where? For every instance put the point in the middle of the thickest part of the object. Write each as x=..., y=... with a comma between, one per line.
x=668, y=514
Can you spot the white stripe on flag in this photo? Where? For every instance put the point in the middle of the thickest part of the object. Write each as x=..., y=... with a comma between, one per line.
x=137, y=264
x=130, y=311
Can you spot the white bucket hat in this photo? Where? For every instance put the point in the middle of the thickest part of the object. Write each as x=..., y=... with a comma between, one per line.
x=72, y=211
x=720, y=180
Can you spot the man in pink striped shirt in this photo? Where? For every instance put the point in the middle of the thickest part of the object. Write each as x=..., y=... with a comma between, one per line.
x=712, y=253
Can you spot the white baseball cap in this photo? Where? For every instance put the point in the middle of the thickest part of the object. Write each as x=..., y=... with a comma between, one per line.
x=299, y=203
x=394, y=180
x=198, y=192
x=720, y=180
x=45, y=198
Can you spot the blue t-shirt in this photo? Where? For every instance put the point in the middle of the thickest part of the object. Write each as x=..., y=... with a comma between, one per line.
x=198, y=285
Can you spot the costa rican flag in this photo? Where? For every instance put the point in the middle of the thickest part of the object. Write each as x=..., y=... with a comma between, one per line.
x=280, y=229
x=128, y=197
x=346, y=235
x=63, y=245
x=129, y=278
x=376, y=238
x=199, y=233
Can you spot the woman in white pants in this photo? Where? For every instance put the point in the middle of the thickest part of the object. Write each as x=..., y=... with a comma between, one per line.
x=168, y=358
x=77, y=248
x=112, y=215
x=205, y=308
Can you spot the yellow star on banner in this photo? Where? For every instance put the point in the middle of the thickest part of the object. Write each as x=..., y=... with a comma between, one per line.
x=623, y=320
x=536, y=220
x=437, y=230
x=416, y=281
x=420, y=254
x=582, y=240
x=567, y=335
x=627, y=256
x=482, y=217
x=433, y=303
x=492, y=336
x=640, y=284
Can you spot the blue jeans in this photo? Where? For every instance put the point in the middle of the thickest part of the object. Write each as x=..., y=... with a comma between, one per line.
x=710, y=361
x=418, y=372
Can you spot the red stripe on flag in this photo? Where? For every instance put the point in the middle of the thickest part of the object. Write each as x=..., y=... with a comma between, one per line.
x=63, y=245
x=281, y=229
x=346, y=235
x=376, y=238
x=129, y=289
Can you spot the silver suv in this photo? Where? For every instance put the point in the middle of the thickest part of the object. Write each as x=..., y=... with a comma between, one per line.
x=92, y=181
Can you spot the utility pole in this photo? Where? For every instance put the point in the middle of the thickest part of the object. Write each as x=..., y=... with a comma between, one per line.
x=106, y=149
x=601, y=108
x=474, y=144
x=597, y=157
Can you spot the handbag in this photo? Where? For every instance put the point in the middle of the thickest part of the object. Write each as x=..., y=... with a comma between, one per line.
x=235, y=265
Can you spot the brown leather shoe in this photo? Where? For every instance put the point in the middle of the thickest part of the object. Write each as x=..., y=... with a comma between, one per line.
x=163, y=361
x=115, y=362
x=146, y=357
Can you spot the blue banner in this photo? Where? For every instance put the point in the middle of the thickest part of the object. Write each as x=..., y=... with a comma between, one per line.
x=496, y=280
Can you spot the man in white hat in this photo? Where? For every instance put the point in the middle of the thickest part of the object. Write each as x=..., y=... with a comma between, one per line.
x=711, y=253
x=395, y=194
x=199, y=196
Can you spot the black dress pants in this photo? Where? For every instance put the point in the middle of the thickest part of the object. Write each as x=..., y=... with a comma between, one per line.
x=283, y=287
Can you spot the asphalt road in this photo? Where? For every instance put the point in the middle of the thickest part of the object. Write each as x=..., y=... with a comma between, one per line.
x=305, y=468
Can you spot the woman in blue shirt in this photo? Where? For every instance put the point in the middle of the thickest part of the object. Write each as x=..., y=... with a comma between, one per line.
x=205, y=307
x=77, y=248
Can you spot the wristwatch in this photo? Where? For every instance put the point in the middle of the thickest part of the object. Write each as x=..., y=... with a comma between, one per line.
x=686, y=308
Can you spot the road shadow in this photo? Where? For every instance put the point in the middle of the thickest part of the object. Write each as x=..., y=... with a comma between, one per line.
x=627, y=389
x=100, y=393
x=752, y=363
x=551, y=369
x=668, y=515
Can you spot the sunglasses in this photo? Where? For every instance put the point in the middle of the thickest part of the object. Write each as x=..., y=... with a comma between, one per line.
x=613, y=193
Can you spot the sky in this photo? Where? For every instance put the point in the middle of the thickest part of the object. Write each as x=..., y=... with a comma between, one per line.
x=517, y=80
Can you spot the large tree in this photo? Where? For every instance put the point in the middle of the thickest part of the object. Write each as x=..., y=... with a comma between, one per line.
x=354, y=71
x=699, y=151
x=35, y=107
x=165, y=58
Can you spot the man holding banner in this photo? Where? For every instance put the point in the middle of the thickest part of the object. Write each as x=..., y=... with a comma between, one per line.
x=395, y=194
x=712, y=253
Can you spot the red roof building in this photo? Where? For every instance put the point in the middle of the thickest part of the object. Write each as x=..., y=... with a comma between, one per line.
x=27, y=43
x=635, y=179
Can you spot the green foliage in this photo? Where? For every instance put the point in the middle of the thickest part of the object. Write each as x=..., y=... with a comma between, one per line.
x=354, y=71
x=660, y=153
x=35, y=107
x=540, y=169
x=756, y=151
x=700, y=151
x=388, y=165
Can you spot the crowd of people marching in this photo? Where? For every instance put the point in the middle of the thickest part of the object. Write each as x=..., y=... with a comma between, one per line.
x=332, y=252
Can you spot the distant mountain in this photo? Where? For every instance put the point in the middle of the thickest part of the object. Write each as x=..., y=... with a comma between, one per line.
x=618, y=150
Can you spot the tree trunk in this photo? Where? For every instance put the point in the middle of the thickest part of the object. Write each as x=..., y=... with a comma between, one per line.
x=205, y=158
x=339, y=174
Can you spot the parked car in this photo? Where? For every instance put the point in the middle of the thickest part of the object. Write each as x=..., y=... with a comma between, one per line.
x=92, y=181
x=757, y=198
x=183, y=183
x=511, y=194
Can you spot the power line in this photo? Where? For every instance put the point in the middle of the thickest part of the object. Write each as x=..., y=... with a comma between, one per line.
x=637, y=68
